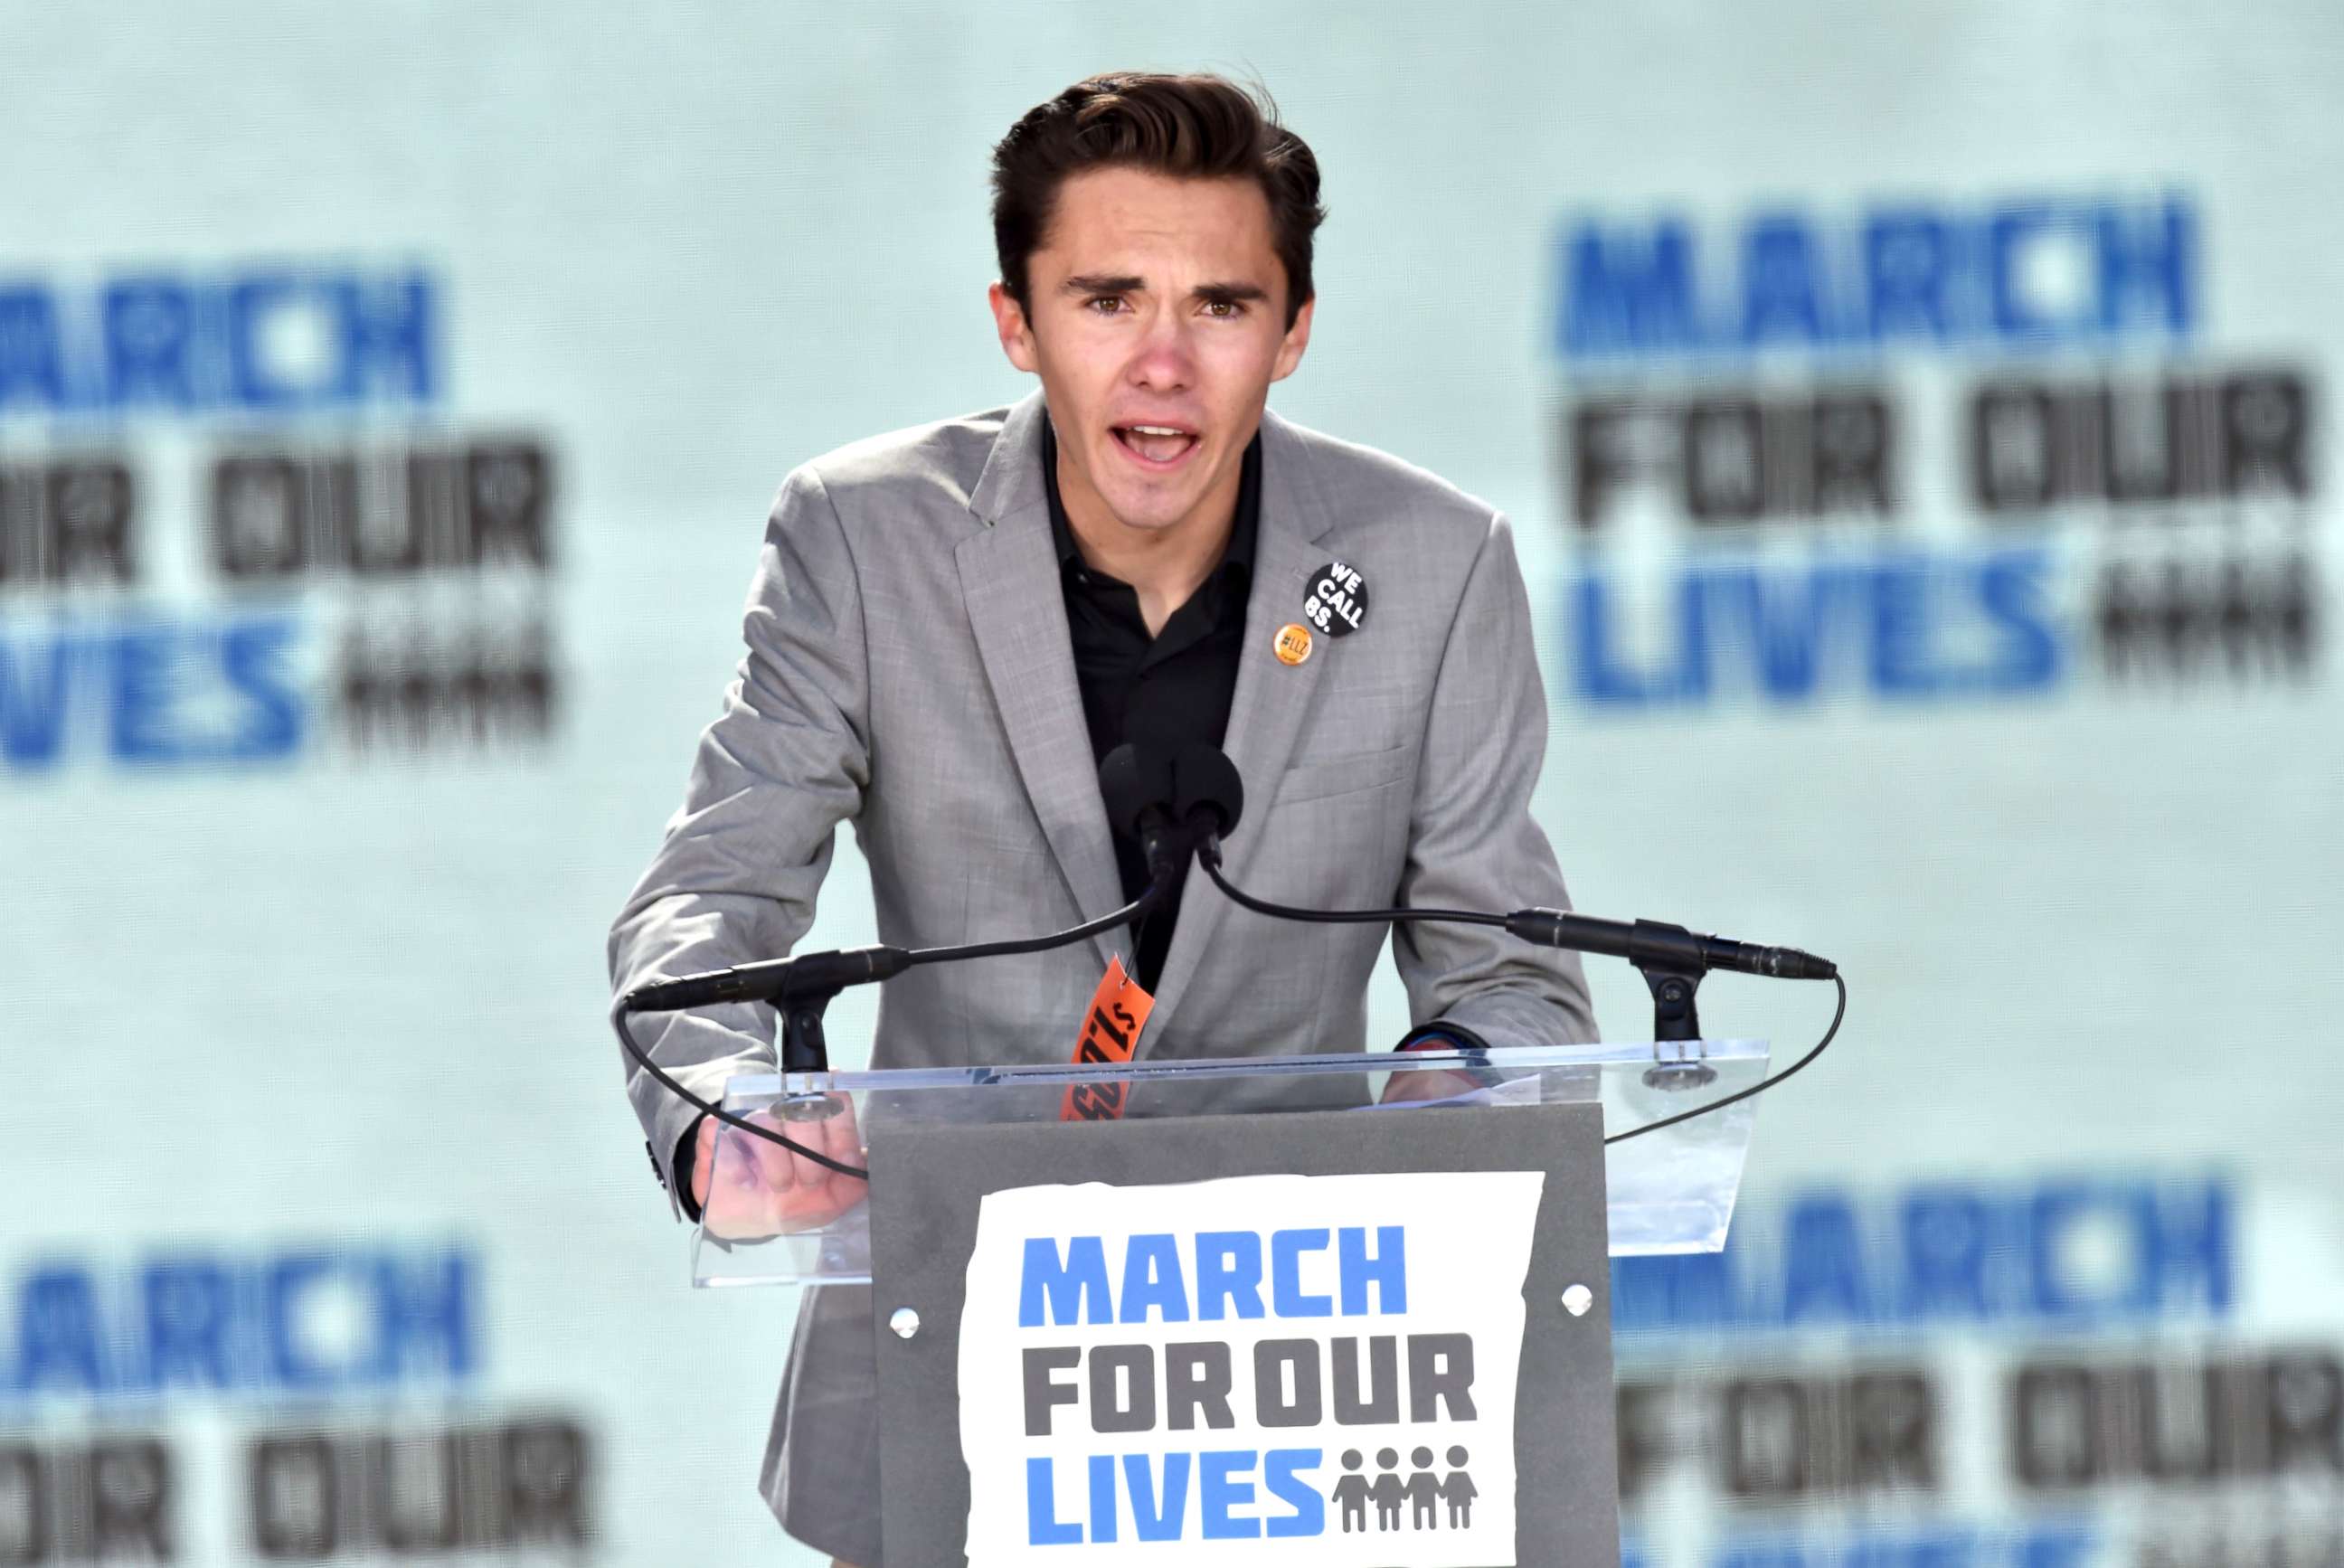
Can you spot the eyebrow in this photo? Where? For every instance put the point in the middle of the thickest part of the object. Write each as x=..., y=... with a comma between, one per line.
x=1100, y=283
x=1209, y=293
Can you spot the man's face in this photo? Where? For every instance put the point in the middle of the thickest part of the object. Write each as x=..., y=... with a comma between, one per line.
x=1157, y=322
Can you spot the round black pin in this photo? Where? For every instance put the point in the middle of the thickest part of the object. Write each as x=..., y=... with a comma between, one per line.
x=1335, y=602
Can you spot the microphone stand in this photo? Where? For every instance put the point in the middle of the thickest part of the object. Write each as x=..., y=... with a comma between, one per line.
x=803, y=988
x=1673, y=1018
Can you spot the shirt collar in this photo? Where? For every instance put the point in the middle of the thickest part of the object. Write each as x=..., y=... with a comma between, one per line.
x=1244, y=529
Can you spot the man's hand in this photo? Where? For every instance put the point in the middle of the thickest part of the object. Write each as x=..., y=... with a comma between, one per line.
x=1426, y=1083
x=747, y=1187
x=1405, y=1085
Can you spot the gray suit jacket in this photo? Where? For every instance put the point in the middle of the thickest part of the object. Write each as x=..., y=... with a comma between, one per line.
x=909, y=671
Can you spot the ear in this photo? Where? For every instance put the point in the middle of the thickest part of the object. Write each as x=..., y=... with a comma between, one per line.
x=1298, y=338
x=1017, y=334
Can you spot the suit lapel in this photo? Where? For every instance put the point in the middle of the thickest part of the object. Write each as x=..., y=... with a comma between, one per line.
x=1266, y=709
x=1016, y=607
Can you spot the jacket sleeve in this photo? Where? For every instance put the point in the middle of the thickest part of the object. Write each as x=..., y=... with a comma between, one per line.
x=735, y=878
x=1472, y=843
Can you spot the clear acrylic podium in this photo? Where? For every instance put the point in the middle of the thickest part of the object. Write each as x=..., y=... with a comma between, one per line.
x=1006, y=1397
x=1672, y=1191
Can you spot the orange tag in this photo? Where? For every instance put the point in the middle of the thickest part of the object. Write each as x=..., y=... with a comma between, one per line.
x=1111, y=1027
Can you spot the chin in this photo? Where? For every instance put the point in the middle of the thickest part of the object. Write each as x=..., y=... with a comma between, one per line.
x=1150, y=511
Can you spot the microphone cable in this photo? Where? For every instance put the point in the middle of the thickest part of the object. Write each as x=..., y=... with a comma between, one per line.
x=1208, y=856
x=913, y=958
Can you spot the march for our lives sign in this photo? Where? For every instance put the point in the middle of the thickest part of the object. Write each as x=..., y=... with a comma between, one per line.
x=1310, y=1370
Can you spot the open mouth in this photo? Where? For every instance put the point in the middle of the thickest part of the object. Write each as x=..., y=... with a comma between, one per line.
x=1157, y=446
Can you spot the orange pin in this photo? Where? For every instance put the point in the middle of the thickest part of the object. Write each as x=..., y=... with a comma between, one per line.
x=1293, y=643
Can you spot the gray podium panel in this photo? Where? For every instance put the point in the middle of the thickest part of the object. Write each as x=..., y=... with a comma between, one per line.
x=927, y=1184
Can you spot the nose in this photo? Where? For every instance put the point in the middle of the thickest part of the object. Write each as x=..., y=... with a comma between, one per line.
x=1165, y=359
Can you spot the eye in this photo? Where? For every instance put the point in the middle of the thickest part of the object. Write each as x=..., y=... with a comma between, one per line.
x=1103, y=304
x=1224, y=309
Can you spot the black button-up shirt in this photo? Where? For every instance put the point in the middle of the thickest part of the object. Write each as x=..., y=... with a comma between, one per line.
x=1167, y=690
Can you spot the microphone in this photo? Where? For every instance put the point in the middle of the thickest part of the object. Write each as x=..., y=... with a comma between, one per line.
x=1649, y=943
x=1207, y=796
x=771, y=980
x=1136, y=784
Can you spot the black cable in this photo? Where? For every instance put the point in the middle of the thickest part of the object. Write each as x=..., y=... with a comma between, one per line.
x=1759, y=1087
x=1109, y=922
x=1245, y=900
x=619, y=1021
x=1007, y=949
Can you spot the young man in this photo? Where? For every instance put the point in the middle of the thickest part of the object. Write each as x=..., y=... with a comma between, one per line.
x=952, y=625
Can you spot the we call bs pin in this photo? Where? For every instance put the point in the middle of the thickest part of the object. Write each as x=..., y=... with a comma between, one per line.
x=1336, y=602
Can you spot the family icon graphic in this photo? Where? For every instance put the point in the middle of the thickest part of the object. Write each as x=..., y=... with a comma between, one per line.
x=1421, y=1494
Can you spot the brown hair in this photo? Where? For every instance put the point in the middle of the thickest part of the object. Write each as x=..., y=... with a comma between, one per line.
x=1196, y=126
